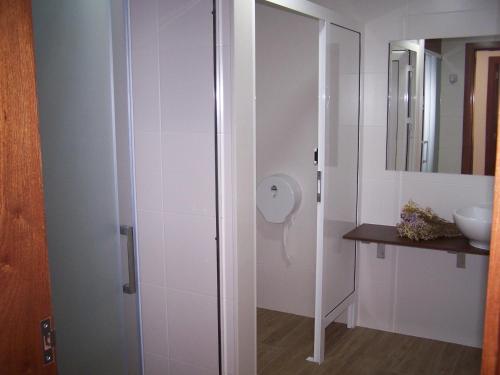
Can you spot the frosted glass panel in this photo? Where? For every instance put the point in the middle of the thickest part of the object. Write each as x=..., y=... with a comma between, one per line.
x=73, y=41
x=341, y=164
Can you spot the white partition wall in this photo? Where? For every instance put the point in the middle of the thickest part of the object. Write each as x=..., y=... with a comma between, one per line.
x=172, y=46
x=337, y=178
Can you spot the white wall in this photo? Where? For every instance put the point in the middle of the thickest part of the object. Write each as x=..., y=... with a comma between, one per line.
x=287, y=133
x=172, y=51
x=418, y=292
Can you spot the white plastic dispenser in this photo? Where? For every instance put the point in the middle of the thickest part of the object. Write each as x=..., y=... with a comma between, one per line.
x=278, y=199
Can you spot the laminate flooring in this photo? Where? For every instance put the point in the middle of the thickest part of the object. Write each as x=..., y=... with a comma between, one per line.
x=284, y=341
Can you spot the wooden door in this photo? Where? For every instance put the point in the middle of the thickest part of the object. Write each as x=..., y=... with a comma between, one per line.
x=24, y=276
x=492, y=109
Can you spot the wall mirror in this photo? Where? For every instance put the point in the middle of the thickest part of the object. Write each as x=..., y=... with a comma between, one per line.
x=443, y=105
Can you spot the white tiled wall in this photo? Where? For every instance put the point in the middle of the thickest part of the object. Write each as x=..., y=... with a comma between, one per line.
x=417, y=292
x=175, y=180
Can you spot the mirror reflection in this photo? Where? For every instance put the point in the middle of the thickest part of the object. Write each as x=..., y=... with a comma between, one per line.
x=443, y=105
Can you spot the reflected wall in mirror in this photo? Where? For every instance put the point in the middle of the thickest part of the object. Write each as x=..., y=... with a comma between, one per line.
x=443, y=105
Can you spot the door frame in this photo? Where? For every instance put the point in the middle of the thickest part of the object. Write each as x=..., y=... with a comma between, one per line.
x=25, y=307
x=491, y=338
x=243, y=163
x=469, y=83
x=491, y=115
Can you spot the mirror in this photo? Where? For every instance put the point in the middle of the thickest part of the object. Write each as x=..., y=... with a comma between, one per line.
x=443, y=105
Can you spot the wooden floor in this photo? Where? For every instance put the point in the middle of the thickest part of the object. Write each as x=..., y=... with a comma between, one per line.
x=285, y=341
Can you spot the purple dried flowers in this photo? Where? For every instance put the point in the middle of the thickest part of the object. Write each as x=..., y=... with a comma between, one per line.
x=423, y=224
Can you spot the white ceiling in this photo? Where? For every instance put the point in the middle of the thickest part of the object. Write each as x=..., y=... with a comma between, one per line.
x=363, y=10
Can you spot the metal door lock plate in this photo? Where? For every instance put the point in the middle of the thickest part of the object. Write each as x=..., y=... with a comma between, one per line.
x=48, y=341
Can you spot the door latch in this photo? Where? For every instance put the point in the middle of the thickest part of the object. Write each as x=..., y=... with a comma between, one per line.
x=48, y=341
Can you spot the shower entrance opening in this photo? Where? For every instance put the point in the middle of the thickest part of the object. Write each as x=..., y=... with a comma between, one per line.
x=307, y=131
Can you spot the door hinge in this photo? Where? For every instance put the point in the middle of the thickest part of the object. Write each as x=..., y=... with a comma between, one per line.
x=48, y=341
x=318, y=178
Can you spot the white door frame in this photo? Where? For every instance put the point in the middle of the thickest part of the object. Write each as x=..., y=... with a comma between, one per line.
x=325, y=17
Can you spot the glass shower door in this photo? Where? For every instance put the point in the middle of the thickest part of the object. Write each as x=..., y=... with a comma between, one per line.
x=81, y=63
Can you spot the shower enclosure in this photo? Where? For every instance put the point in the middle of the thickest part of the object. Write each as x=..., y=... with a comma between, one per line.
x=83, y=103
x=336, y=160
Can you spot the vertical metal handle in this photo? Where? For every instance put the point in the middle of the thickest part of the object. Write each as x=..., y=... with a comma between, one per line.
x=131, y=286
x=318, y=193
x=426, y=153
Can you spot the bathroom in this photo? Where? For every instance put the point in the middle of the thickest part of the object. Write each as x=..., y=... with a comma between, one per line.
x=193, y=176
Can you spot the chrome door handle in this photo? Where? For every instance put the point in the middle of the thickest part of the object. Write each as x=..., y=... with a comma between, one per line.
x=426, y=153
x=131, y=286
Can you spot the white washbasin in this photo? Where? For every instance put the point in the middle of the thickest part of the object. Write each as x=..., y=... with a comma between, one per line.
x=475, y=223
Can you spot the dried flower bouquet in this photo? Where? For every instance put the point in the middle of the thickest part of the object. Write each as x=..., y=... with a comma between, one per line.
x=419, y=223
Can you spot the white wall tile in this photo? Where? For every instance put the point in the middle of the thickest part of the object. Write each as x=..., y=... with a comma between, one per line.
x=373, y=142
x=434, y=298
x=192, y=329
x=190, y=19
x=155, y=364
x=151, y=245
x=375, y=105
x=378, y=33
x=180, y=368
x=174, y=148
x=148, y=169
x=438, y=6
x=379, y=201
x=154, y=319
x=184, y=96
x=144, y=25
x=376, y=288
x=452, y=24
x=442, y=196
x=191, y=259
x=146, y=88
x=188, y=160
x=348, y=99
x=145, y=57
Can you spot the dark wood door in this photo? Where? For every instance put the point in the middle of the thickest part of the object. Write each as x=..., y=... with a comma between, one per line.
x=492, y=109
x=491, y=341
x=24, y=276
x=469, y=89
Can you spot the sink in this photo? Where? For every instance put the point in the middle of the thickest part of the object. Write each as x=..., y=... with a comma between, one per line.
x=475, y=223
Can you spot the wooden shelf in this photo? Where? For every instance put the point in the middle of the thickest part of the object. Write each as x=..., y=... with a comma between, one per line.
x=388, y=235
